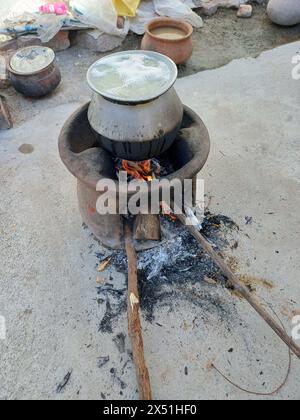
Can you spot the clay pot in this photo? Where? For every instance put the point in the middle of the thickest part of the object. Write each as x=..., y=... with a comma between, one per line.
x=284, y=12
x=179, y=49
x=37, y=83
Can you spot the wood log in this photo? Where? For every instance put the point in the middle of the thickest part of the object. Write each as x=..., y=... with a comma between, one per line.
x=134, y=323
x=239, y=287
x=147, y=227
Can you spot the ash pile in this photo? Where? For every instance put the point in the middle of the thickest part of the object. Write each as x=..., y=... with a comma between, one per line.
x=177, y=269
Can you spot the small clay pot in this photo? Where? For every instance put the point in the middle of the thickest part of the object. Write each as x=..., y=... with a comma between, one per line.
x=38, y=83
x=179, y=49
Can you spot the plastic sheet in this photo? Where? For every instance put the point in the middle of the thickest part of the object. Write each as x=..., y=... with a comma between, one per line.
x=99, y=14
x=177, y=9
x=49, y=26
x=144, y=14
x=24, y=17
x=15, y=9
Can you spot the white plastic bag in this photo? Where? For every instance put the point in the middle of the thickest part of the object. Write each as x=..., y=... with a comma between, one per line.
x=99, y=14
x=144, y=14
x=178, y=10
x=49, y=25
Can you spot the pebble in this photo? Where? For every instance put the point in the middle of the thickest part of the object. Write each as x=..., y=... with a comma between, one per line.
x=245, y=11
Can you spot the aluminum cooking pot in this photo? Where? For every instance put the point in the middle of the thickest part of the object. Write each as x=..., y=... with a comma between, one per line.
x=135, y=110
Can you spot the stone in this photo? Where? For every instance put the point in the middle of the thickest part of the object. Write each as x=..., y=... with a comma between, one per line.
x=60, y=42
x=210, y=7
x=284, y=12
x=245, y=11
x=9, y=45
x=4, y=79
x=27, y=41
x=96, y=41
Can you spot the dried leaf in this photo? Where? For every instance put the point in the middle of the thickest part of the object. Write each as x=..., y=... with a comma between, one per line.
x=100, y=280
x=104, y=264
x=210, y=281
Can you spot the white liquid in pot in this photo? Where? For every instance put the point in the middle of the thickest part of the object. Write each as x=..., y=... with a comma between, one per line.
x=168, y=32
x=130, y=76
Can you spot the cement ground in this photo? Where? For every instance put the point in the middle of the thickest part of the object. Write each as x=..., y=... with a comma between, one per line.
x=48, y=261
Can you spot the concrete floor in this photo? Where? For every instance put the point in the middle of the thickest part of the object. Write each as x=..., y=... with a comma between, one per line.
x=48, y=262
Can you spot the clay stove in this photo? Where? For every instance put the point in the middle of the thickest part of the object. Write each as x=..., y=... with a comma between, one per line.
x=89, y=163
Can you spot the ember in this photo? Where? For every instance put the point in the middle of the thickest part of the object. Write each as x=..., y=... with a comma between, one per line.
x=166, y=211
x=146, y=170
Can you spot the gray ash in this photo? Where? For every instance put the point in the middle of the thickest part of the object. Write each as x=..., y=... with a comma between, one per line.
x=173, y=271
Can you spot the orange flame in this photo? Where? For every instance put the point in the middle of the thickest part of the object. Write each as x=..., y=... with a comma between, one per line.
x=144, y=171
x=165, y=209
x=139, y=170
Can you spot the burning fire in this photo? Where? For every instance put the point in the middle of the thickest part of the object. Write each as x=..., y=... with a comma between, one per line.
x=146, y=170
x=138, y=170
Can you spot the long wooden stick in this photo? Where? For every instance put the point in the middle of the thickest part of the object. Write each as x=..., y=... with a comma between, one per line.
x=134, y=323
x=240, y=288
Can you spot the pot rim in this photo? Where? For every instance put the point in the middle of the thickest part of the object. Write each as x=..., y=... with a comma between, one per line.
x=165, y=21
x=150, y=98
x=17, y=73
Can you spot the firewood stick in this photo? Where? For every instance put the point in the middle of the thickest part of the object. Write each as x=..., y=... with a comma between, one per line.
x=134, y=323
x=240, y=288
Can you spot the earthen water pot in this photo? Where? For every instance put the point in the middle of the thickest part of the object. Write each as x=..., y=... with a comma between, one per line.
x=179, y=49
x=34, y=80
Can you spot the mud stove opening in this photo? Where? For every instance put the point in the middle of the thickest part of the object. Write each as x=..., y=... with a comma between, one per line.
x=90, y=163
